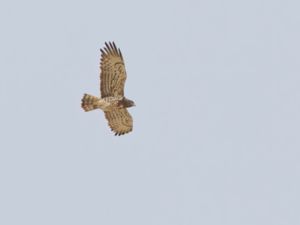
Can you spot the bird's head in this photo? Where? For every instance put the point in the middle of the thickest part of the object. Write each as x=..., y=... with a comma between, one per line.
x=129, y=103
x=126, y=103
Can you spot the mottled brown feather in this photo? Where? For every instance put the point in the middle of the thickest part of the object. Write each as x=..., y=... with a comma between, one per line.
x=113, y=73
x=119, y=120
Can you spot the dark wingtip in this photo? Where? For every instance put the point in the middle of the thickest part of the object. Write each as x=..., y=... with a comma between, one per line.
x=111, y=48
x=120, y=133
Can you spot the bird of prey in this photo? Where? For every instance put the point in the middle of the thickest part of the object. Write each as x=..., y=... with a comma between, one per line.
x=112, y=100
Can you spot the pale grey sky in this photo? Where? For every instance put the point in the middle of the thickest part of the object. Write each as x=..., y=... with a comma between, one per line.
x=216, y=127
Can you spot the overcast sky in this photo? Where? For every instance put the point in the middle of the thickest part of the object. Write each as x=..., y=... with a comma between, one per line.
x=216, y=126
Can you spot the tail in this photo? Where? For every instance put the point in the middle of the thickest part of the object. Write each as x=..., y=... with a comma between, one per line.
x=89, y=102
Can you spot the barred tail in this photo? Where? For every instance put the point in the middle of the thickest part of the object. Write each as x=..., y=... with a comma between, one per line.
x=89, y=102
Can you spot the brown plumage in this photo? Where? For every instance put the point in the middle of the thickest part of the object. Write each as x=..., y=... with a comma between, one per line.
x=112, y=100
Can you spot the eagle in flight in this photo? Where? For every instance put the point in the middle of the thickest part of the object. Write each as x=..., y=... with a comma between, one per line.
x=112, y=100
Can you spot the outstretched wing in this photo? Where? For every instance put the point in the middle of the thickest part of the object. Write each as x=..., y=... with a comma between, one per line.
x=113, y=73
x=119, y=120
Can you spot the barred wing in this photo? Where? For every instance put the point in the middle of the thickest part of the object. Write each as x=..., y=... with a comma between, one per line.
x=119, y=120
x=113, y=73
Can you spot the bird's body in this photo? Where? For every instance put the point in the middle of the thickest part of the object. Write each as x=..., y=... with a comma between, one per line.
x=105, y=104
x=112, y=100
